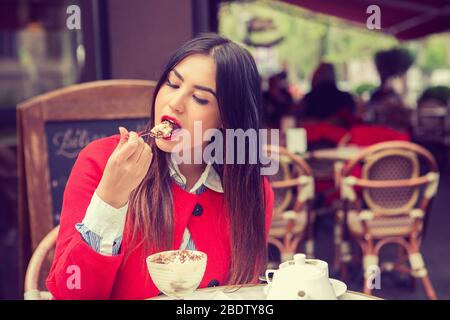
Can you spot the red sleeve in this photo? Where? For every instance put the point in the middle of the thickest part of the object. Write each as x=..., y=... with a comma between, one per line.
x=78, y=272
x=269, y=196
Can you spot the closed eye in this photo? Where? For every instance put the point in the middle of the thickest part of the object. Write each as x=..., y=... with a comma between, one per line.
x=200, y=101
x=170, y=84
x=197, y=99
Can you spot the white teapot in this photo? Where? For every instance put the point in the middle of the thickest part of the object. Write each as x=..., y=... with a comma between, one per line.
x=301, y=279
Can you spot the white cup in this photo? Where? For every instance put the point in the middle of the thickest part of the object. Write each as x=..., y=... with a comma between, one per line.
x=296, y=140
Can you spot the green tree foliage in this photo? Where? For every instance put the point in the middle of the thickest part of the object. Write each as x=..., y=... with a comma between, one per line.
x=434, y=54
x=311, y=38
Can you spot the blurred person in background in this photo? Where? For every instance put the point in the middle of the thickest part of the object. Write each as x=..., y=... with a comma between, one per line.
x=325, y=102
x=278, y=100
x=386, y=105
x=437, y=96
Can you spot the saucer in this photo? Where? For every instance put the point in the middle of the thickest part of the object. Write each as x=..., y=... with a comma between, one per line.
x=339, y=287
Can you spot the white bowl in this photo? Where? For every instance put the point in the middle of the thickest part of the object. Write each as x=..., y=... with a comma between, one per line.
x=177, y=273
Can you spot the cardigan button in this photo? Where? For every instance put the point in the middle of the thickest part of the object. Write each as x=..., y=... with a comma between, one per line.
x=198, y=210
x=213, y=283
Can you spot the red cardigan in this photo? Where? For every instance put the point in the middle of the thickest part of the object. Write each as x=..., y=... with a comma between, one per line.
x=113, y=277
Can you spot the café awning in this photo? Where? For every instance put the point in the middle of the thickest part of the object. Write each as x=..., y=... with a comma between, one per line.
x=404, y=19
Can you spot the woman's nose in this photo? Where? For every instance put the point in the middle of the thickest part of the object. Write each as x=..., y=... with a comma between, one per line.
x=177, y=104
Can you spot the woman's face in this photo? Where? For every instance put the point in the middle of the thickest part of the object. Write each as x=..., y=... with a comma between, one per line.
x=187, y=95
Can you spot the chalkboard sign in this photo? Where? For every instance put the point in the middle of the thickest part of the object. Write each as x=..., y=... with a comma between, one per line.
x=65, y=141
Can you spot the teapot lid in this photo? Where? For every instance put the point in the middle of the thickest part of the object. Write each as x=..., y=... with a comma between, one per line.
x=299, y=258
x=307, y=270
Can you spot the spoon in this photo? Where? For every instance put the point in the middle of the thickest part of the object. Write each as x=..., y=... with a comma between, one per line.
x=150, y=134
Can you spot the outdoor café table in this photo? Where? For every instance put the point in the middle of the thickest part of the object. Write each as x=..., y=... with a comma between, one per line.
x=337, y=154
x=251, y=293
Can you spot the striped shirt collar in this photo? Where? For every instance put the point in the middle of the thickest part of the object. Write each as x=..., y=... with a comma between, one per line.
x=209, y=179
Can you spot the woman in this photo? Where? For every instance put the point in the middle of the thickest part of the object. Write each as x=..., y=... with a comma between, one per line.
x=126, y=198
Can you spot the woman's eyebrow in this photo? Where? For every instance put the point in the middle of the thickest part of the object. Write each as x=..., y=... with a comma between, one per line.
x=178, y=74
x=206, y=89
x=203, y=88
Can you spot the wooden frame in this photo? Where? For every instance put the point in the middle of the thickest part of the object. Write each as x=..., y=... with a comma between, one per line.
x=113, y=99
x=289, y=241
x=389, y=145
x=284, y=167
x=410, y=243
x=32, y=277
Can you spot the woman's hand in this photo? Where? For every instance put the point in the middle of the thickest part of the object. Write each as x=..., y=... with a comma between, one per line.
x=125, y=169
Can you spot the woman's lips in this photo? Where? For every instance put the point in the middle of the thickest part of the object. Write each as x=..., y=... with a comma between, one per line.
x=175, y=126
x=172, y=120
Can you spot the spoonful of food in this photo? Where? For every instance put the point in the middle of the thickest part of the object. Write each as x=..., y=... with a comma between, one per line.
x=161, y=130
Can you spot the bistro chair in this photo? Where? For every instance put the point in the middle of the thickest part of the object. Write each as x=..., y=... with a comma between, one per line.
x=34, y=275
x=52, y=128
x=389, y=205
x=361, y=136
x=293, y=220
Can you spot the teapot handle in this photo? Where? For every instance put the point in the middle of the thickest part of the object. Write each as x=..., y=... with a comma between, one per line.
x=269, y=271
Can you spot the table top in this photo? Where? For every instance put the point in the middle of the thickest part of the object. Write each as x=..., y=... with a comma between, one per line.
x=339, y=154
x=251, y=293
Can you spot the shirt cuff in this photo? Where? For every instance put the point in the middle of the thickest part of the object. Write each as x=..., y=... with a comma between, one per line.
x=105, y=221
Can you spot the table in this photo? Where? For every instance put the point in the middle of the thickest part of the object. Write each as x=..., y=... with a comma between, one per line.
x=251, y=293
x=337, y=154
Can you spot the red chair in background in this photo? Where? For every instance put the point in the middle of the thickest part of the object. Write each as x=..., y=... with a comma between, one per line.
x=367, y=135
x=323, y=131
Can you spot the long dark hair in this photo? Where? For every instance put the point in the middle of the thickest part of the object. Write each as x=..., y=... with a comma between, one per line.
x=239, y=100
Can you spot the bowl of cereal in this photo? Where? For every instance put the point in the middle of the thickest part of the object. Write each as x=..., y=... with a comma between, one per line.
x=177, y=273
